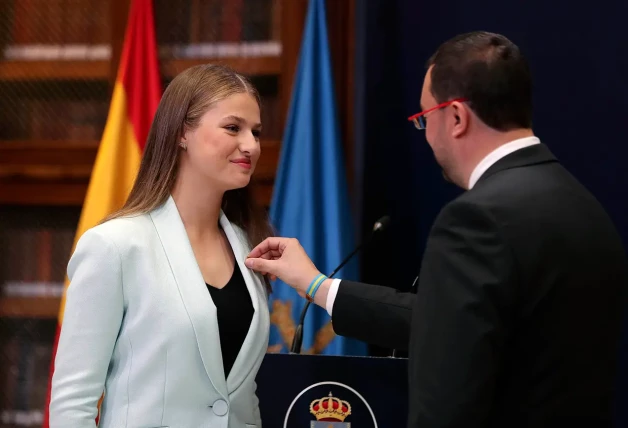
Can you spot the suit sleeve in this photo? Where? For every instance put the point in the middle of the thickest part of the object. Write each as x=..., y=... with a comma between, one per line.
x=374, y=314
x=460, y=320
x=91, y=321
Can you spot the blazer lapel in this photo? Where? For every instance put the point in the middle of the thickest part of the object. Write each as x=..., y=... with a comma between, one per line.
x=256, y=341
x=196, y=298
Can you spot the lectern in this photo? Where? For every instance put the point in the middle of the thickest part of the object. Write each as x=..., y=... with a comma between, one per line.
x=318, y=391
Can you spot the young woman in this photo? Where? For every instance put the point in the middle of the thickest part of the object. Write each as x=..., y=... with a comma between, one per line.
x=161, y=314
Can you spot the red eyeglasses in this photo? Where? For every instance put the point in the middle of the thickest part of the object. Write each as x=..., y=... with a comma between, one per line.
x=420, y=119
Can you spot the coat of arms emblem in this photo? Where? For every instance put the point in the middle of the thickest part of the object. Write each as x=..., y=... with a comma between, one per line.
x=330, y=412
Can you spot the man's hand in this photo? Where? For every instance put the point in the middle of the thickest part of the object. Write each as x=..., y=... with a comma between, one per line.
x=284, y=258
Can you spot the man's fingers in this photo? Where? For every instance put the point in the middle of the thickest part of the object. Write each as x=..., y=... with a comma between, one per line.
x=261, y=265
x=272, y=244
x=270, y=255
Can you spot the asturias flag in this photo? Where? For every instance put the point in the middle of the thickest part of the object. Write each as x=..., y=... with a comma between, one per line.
x=310, y=200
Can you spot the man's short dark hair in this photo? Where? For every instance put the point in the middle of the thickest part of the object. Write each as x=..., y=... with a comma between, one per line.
x=488, y=70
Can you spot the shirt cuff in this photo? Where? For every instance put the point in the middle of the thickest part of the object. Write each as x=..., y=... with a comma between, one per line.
x=331, y=295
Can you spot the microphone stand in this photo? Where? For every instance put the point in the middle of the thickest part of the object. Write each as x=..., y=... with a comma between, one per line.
x=297, y=341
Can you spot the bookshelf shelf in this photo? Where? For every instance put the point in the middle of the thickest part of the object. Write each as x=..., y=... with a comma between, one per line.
x=42, y=192
x=29, y=307
x=252, y=66
x=20, y=70
x=37, y=70
x=72, y=193
x=25, y=153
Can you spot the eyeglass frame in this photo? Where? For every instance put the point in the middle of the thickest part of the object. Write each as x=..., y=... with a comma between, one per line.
x=416, y=118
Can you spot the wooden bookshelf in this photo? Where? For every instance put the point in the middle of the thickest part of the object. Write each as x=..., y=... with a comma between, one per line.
x=37, y=172
x=29, y=307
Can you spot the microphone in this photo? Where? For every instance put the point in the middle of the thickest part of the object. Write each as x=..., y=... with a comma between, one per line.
x=379, y=226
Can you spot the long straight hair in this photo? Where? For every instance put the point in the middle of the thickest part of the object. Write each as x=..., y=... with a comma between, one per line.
x=188, y=97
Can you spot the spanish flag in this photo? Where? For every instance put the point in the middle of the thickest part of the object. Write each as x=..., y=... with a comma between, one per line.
x=134, y=101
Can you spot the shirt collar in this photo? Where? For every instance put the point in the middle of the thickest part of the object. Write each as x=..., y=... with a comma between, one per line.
x=499, y=153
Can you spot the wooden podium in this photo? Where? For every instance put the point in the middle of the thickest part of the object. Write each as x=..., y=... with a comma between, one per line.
x=332, y=391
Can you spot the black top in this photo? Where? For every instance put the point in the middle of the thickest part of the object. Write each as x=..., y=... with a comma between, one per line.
x=518, y=311
x=235, y=311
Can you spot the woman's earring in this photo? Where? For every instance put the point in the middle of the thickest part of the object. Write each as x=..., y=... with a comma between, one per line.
x=183, y=146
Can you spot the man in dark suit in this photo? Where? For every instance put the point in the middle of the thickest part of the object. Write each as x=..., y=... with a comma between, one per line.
x=516, y=321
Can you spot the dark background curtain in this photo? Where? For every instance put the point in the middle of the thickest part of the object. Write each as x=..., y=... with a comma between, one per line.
x=578, y=53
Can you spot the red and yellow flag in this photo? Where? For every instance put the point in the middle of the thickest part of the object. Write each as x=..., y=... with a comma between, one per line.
x=135, y=98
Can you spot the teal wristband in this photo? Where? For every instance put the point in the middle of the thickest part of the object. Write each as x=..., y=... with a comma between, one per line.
x=314, y=285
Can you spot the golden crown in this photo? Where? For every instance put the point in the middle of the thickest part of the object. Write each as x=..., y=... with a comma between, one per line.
x=330, y=409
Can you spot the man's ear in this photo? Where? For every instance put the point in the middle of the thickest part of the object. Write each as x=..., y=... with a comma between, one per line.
x=461, y=119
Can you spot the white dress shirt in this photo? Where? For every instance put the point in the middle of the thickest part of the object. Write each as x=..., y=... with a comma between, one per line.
x=478, y=171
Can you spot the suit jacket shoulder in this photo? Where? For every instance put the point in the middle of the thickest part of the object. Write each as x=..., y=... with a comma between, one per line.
x=123, y=231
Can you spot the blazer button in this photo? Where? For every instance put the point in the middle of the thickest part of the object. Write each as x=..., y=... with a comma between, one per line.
x=220, y=407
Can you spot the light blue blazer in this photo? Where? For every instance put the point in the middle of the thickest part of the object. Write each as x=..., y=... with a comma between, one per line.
x=140, y=325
